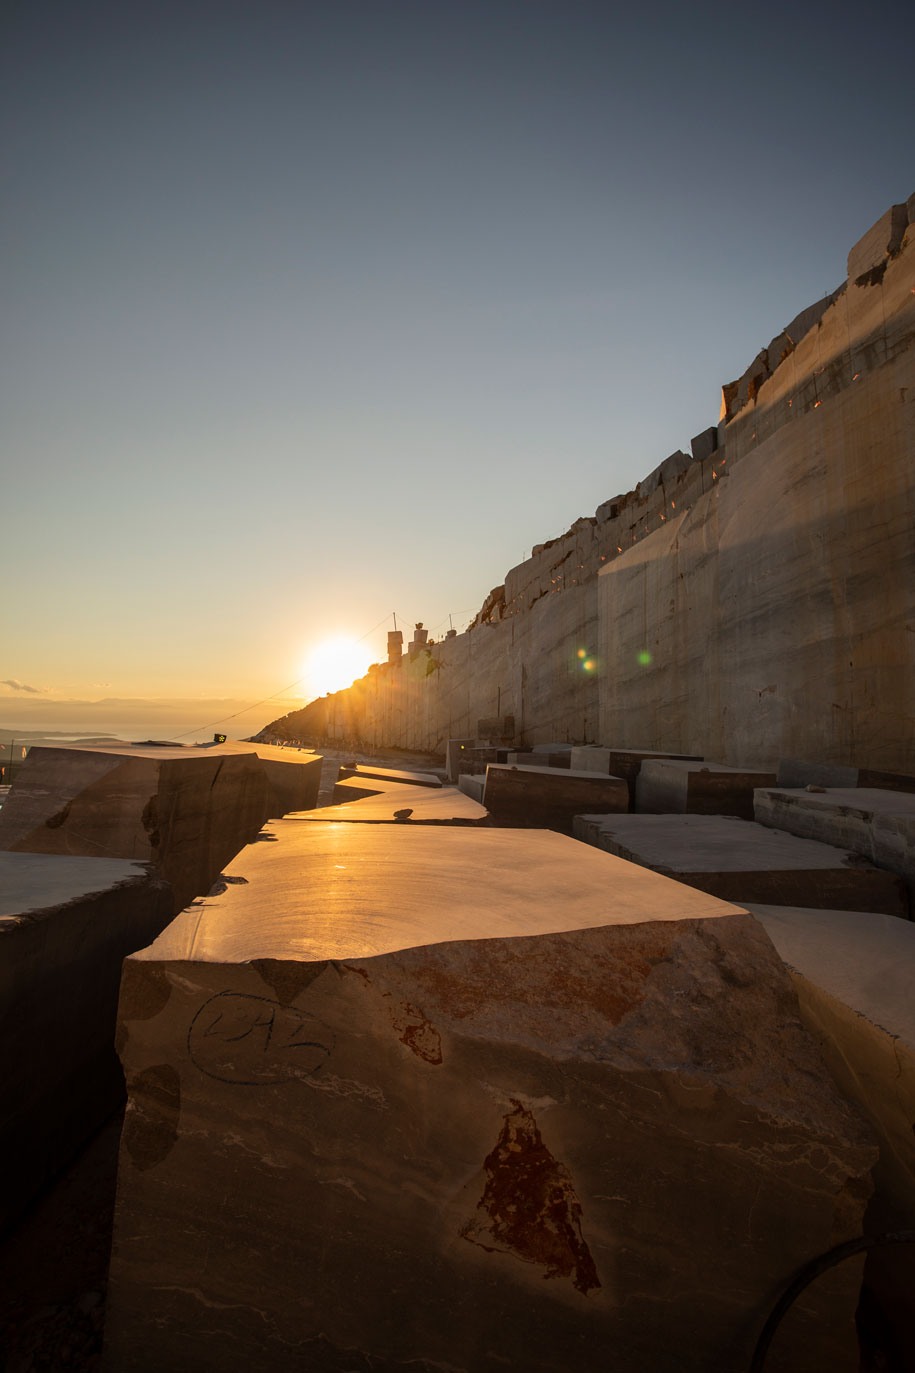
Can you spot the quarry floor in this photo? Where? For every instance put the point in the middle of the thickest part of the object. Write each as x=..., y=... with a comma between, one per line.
x=54, y=1265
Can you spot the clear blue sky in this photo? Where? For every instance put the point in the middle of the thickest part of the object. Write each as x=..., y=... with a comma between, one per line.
x=311, y=312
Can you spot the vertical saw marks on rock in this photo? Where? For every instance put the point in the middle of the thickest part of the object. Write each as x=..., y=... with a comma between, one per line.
x=529, y=1207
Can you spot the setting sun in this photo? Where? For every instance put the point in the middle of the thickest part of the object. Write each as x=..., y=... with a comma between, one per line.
x=335, y=664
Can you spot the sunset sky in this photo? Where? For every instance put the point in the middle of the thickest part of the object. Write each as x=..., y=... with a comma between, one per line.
x=315, y=312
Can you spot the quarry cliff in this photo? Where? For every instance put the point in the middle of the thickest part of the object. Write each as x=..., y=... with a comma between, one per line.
x=750, y=599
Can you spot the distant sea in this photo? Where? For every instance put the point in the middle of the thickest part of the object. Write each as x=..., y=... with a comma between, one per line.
x=26, y=738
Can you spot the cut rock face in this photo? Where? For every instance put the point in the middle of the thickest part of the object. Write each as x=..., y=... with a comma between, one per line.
x=187, y=811
x=854, y=974
x=878, y=824
x=547, y=797
x=740, y=861
x=794, y=773
x=66, y=925
x=471, y=1099
x=666, y=786
x=293, y=775
x=622, y=762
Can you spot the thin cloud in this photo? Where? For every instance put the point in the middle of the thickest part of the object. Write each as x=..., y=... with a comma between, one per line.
x=20, y=686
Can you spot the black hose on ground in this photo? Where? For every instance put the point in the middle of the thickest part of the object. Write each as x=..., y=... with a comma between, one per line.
x=812, y=1270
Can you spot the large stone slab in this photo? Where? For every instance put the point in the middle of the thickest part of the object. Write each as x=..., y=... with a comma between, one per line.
x=794, y=773
x=552, y=755
x=188, y=811
x=471, y=1099
x=293, y=774
x=473, y=784
x=66, y=925
x=548, y=798
x=878, y=824
x=542, y=758
x=740, y=861
x=401, y=778
x=475, y=758
x=406, y=805
x=453, y=751
x=359, y=786
x=621, y=762
x=666, y=786
x=854, y=973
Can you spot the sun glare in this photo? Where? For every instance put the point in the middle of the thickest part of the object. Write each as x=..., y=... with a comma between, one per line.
x=335, y=664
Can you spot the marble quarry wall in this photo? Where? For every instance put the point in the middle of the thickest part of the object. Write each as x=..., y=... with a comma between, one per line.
x=778, y=611
x=750, y=600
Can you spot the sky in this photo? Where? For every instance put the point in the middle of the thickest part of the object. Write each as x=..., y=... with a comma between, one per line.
x=315, y=313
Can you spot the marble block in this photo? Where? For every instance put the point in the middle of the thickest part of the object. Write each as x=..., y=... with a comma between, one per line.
x=471, y=1099
x=293, y=775
x=878, y=824
x=472, y=784
x=426, y=806
x=475, y=758
x=551, y=755
x=548, y=798
x=453, y=751
x=740, y=861
x=667, y=786
x=358, y=787
x=400, y=778
x=622, y=762
x=66, y=925
x=538, y=758
x=854, y=973
x=187, y=811
x=794, y=773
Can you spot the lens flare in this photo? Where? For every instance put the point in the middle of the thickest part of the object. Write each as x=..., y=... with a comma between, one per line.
x=335, y=664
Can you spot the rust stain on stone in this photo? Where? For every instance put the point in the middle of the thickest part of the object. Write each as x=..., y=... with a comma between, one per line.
x=608, y=979
x=529, y=1207
x=153, y=1109
x=418, y=1033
